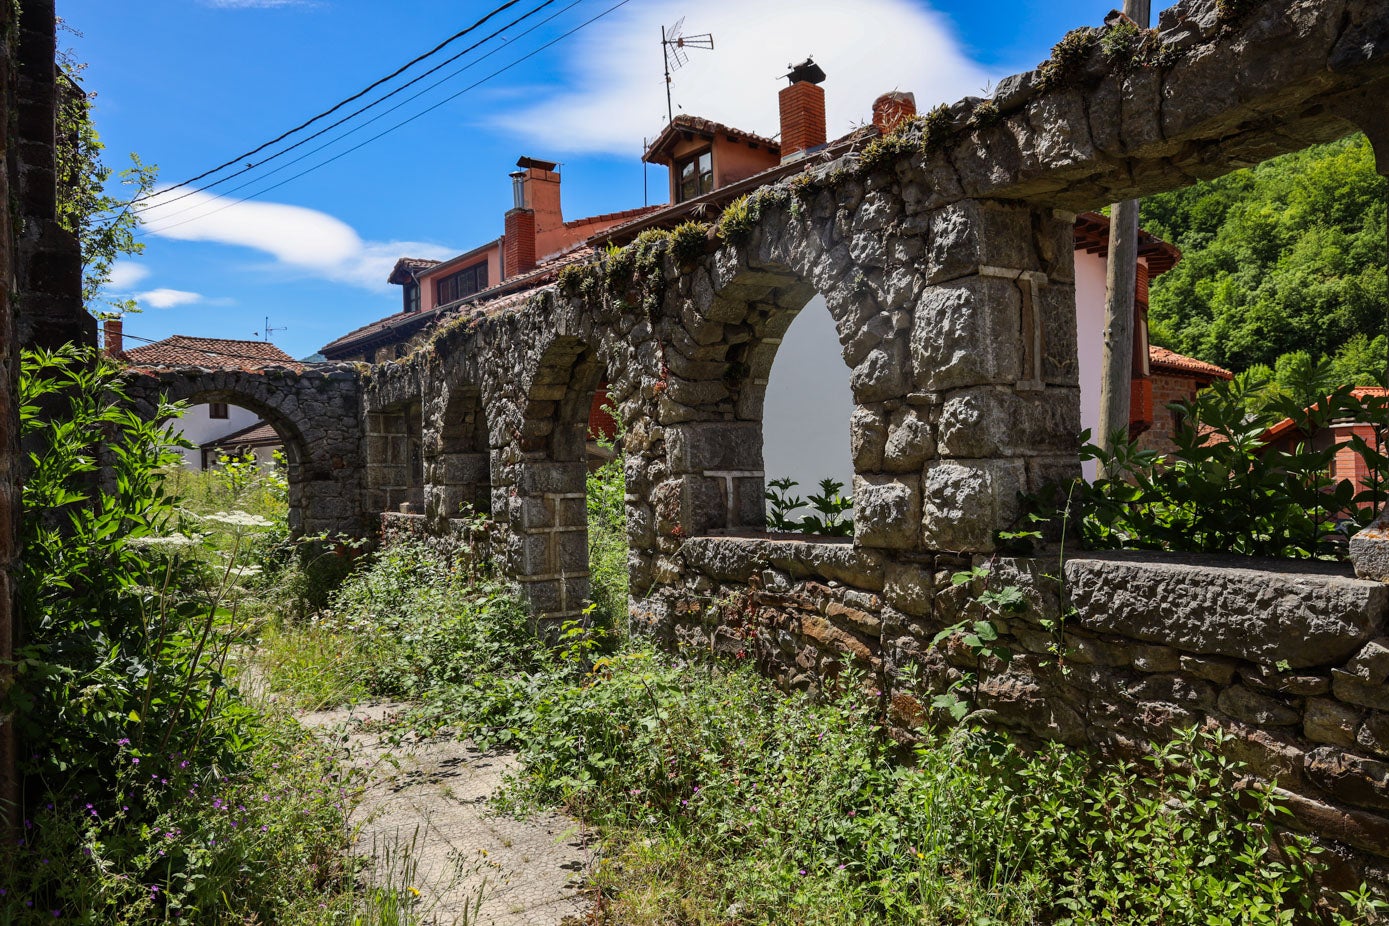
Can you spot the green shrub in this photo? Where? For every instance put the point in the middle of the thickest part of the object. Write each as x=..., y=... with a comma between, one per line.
x=1224, y=491
x=607, y=543
x=832, y=511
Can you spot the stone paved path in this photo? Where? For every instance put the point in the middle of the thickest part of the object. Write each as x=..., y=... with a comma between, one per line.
x=426, y=807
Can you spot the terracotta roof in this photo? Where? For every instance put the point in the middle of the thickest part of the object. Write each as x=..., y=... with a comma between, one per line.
x=399, y=326
x=406, y=268
x=655, y=153
x=259, y=434
x=614, y=216
x=1169, y=361
x=1092, y=236
x=215, y=353
x=1287, y=424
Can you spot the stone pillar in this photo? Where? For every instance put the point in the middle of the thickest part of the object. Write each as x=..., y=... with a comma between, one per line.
x=1369, y=549
x=9, y=431
x=548, y=545
x=457, y=474
x=391, y=458
x=48, y=263
x=994, y=352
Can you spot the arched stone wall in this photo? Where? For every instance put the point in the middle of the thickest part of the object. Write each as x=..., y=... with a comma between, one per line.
x=316, y=413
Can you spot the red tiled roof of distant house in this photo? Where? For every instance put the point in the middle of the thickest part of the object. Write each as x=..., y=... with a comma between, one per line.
x=1092, y=236
x=699, y=126
x=1287, y=425
x=406, y=268
x=260, y=434
x=1160, y=359
x=214, y=353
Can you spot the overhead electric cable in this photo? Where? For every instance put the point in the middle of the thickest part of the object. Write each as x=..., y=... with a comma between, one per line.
x=356, y=96
x=357, y=112
x=352, y=131
x=403, y=122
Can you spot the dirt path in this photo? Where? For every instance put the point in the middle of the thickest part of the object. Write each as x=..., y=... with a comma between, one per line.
x=424, y=818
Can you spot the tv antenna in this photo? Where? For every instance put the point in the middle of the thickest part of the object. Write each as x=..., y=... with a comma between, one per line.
x=268, y=331
x=673, y=45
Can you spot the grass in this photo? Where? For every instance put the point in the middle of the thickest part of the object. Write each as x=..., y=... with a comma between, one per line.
x=720, y=800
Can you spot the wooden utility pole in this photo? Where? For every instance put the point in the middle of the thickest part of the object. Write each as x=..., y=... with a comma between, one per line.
x=1120, y=282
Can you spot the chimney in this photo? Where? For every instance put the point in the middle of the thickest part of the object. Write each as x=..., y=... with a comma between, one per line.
x=891, y=108
x=518, y=243
x=802, y=110
x=534, y=215
x=111, y=330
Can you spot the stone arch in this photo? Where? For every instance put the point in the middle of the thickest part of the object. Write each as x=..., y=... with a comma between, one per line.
x=457, y=460
x=315, y=413
x=545, y=488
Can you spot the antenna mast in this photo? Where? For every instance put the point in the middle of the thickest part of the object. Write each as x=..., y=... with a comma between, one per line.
x=268, y=330
x=673, y=45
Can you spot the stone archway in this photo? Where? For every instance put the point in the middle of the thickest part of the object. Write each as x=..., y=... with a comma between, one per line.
x=315, y=411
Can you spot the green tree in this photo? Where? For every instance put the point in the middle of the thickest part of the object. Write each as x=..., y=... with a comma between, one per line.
x=103, y=221
x=1287, y=256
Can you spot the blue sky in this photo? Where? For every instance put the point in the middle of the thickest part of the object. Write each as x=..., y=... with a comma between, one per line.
x=189, y=84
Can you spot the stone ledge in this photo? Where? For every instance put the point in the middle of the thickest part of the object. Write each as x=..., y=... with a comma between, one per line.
x=738, y=558
x=1265, y=611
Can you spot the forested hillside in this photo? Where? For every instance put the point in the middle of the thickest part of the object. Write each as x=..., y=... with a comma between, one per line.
x=1281, y=262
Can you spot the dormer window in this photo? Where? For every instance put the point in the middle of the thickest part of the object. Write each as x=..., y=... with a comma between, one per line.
x=694, y=175
x=412, y=297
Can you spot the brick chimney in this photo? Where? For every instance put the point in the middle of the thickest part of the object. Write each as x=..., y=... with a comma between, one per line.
x=535, y=224
x=802, y=111
x=891, y=108
x=112, y=337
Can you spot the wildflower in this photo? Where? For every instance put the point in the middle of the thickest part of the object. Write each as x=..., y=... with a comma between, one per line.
x=414, y=890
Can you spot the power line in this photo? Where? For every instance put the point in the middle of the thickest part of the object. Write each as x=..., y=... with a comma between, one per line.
x=400, y=124
x=355, y=113
x=356, y=96
x=352, y=131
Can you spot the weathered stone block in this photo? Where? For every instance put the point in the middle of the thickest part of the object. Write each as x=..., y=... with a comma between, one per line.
x=867, y=439
x=988, y=421
x=715, y=445
x=908, y=445
x=884, y=374
x=1251, y=707
x=1373, y=733
x=1328, y=721
x=1262, y=611
x=887, y=512
x=1350, y=778
x=966, y=333
x=908, y=588
x=966, y=502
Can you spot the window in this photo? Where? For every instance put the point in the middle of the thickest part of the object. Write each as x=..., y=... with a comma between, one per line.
x=694, y=175
x=460, y=285
x=412, y=297
x=217, y=410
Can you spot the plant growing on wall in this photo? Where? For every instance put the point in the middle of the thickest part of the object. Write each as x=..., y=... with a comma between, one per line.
x=832, y=510
x=1225, y=489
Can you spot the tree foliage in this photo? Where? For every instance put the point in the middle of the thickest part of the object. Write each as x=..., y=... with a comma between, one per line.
x=1287, y=256
x=104, y=222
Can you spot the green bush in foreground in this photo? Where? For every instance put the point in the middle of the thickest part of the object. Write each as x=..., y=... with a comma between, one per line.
x=722, y=800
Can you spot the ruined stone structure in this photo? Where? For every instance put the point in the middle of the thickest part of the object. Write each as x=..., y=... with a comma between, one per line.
x=945, y=255
x=315, y=412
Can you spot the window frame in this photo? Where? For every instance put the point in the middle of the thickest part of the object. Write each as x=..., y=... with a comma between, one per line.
x=218, y=411
x=454, y=287
x=700, y=177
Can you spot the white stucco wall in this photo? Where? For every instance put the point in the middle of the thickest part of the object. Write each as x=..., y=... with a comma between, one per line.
x=198, y=428
x=805, y=421
x=1090, y=271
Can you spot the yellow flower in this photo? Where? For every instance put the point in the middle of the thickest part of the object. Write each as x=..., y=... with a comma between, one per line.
x=414, y=890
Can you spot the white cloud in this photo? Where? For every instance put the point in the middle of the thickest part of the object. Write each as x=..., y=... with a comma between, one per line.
x=165, y=298
x=300, y=239
x=124, y=275
x=614, y=93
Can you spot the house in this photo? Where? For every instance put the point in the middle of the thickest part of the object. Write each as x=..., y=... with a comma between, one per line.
x=808, y=402
x=1173, y=378
x=210, y=424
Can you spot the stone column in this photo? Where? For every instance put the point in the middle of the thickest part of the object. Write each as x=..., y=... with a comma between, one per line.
x=994, y=353
x=1369, y=549
x=548, y=521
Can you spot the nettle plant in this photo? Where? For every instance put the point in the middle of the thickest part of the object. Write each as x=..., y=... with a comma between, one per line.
x=1227, y=489
x=832, y=510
